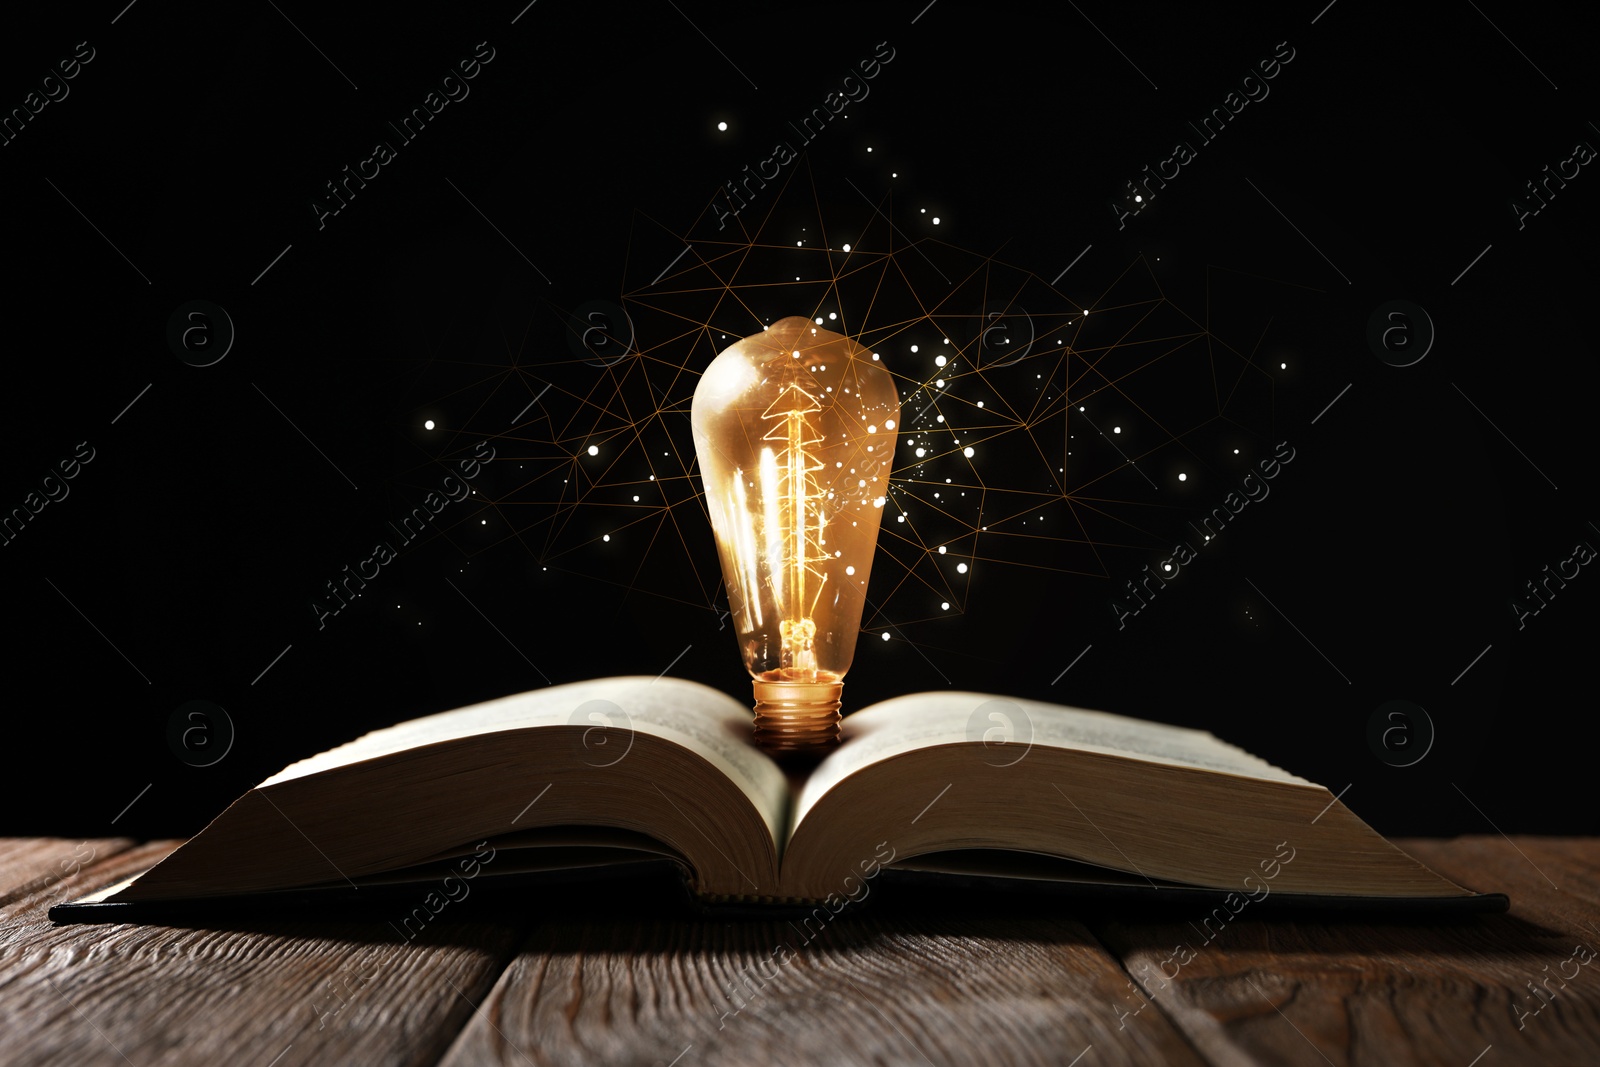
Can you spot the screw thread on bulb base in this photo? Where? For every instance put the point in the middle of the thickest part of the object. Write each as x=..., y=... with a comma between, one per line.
x=797, y=716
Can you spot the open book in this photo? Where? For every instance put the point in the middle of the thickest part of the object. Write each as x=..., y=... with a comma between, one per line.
x=962, y=784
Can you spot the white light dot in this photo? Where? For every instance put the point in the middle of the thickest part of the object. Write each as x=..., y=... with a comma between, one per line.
x=636, y=498
x=862, y=484
x=889, y=425
x=849, y=570
x=877, y=502
x=924, y=211
x=428, y=425
x=913, y=348
x=967, y=452
x=872, y=428
x=819, y=322
x=938, y=361
x=886, y=635
x=936, y=220
x=1166, y=566
x=831, y=316
x=869, y=148
x=1236, y=451
x=980, y=403
x=939, y=419
x=921, y=452
x=874, y=357
x=961, y=568
x=1183, y=477
x=722, y=125
x=847, y=248
x=941, y=550
x=1138, y=200
x=1283, y=366
x=606, y=537
x=900, y=518
x=594, y=450
x=944, y=606
x=938, y=383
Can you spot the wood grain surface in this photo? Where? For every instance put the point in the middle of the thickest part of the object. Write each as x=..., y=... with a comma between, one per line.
x=610, y=974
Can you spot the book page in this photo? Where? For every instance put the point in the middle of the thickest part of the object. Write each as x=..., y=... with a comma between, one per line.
x=704, y=720
x=1007, y=728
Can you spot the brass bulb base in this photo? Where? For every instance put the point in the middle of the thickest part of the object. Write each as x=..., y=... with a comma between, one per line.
x=797, y=716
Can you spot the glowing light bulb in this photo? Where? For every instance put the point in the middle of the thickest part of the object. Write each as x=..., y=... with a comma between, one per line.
x=795, y=497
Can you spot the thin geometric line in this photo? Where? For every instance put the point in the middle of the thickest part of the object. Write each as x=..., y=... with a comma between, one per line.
x=1332, y=402
x=1324, y=11
x=86, y=1019
x=97, y=229
x=302, y=833
x=713, y=44
x=1502, y=833
x=1102, y=833
x=97, y=630
x=1113, y=44
x=271, y=665
x=1513, y=44
x=924, y=11
x=531, y=803
x=132, y=402
x=1058, y=277
x=302, y=433
x=313, y=44
x=1297, y=229
x=1475, y=659
x=702, y=833
x=524, y=11
x=1332, y=802
x=491, y=1022
x=497, y=229
x=1297, y=630
x=1071, y=665
x=1474, y=262
x=131, y=803
x=1502, y=433
x=932, y=802
x=269, y=266
x=673, y=664
x=497, y=630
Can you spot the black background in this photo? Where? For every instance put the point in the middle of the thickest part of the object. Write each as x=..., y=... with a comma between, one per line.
x=183, y=564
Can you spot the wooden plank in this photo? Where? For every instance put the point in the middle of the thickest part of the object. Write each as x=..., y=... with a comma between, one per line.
x=279, y=991
x=948, y=984
x=29, y=864
x=1379, y=991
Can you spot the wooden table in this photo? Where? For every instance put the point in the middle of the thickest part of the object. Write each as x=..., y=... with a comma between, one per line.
x=962, y=979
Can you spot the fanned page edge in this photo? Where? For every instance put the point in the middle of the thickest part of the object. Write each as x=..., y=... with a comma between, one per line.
x=943, y=718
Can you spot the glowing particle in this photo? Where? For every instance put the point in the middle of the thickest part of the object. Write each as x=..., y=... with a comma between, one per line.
x=921, y=452
x=913, y=348
x=872, y=427
x=1183, y=477
x=944, y=606
x=941, y=550
x=636, y=498
x=722, y=125
x=849, y=570
x=980, y=403
x=886, y=635
x=939, y=361
x=938, y=383
x=428, y=425
x=967, y=452
x=961, y=568
x=594, y=450
x=606, y=537
x=847, y=248
x=936, y=220
x=889, y=425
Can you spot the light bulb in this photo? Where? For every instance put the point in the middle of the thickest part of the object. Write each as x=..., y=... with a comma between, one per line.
x=794, y=431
